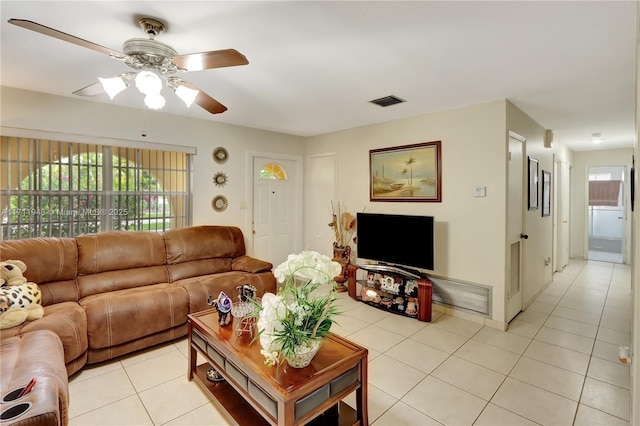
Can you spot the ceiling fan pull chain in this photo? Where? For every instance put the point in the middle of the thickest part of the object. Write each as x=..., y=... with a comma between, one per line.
x=144, y=121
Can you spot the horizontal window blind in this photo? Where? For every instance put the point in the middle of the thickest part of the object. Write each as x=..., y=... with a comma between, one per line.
x=62, y=189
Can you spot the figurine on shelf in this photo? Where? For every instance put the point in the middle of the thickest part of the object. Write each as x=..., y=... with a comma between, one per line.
x=412, y=306
x=371, y=278
x=223, y=305
x=246, y=292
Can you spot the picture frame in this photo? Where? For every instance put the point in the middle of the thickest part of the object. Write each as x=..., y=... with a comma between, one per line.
x=406, y=173
x=546, y=193
x=533, y=184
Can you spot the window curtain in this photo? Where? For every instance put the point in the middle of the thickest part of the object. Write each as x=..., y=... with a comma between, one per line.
x=604, y=192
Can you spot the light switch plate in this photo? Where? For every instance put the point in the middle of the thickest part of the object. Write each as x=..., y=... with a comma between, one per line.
x=479, y=191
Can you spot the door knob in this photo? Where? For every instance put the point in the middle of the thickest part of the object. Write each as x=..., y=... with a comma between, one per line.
x=524, y=236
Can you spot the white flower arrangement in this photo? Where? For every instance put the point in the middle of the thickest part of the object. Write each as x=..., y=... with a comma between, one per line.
x=302, y=310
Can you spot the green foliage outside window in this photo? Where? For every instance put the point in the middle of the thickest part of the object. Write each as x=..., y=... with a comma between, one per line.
x=65, y=199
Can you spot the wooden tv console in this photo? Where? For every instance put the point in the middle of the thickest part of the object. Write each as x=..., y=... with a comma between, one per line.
x=423, y=295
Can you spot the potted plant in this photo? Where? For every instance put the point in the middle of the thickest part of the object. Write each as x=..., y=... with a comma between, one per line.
x=293, y=323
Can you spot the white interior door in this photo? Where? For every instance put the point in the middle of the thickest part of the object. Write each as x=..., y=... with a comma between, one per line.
x=515, y=227
x=557, y=219
x=566, y=213
x=320, y=191
x=276, y=209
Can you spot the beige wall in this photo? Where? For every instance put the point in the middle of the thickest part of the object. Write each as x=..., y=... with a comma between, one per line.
x=35, y=114
x=470, y=231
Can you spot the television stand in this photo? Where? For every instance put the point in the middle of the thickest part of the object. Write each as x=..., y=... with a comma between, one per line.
x=393, y=289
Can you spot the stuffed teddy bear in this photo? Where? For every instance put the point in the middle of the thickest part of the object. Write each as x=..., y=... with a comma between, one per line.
x=20, y=300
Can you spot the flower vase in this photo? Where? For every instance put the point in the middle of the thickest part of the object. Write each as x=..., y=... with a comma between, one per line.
x=304, y=354
x=342, y=255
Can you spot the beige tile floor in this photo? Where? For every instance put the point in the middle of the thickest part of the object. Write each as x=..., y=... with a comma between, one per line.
x=556, y=365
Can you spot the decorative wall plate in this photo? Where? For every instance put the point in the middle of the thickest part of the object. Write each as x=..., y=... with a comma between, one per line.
x=220, y=155
x=220, y=179
x=219, y=203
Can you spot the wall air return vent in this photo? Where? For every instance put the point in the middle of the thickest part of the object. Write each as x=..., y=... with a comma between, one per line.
x=470, y=296
x=387, y=101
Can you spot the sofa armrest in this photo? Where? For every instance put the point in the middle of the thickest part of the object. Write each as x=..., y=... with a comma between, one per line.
x=249, y=264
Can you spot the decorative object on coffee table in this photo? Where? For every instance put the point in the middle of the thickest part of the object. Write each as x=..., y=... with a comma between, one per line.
x=343, y=224
x=214, y=376
x=296, y=320
x=246, y=309
x=223, y=305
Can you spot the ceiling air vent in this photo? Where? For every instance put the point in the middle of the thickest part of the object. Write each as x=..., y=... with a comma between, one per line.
x=387, y=101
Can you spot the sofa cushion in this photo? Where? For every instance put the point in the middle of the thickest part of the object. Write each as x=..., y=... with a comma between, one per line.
x=121, y=316
x=200, y=288
x=51, y=263
x=68, y=321
x=113, y=251
x=203, y=242
x=118, y=260
x=250, y=264
x=105, y=282
x=202, y=250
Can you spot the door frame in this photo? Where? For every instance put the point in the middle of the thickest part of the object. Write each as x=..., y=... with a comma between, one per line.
x=298, y=185
x=626, y=210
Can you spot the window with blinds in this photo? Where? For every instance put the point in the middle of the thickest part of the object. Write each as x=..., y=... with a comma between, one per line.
x=62, y=189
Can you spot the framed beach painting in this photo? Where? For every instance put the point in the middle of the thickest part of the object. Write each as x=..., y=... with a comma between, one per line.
x=406, y=173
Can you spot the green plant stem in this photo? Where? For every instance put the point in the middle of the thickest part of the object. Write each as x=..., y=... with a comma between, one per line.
x=325, y=312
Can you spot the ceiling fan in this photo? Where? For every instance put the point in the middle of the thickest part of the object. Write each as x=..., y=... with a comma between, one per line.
x=154, y=65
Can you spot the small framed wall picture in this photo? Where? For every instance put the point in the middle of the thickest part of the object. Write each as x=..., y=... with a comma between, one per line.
x=546, y=193
x=533, y=184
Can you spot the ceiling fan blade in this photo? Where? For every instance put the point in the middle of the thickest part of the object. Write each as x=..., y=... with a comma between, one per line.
x=208, y=60
x=208, y=103
x=205, y=101
x=34, y=26
x=90, y=90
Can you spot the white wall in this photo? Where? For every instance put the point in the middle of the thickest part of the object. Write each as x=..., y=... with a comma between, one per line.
x=470, y=231
x=580, y=193
x=74, y=119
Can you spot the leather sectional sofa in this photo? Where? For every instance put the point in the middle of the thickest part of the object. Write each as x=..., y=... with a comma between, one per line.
x=112, y=293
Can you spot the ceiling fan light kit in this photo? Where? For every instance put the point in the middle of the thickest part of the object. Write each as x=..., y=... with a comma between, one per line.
x=154, y=64
x=113, y=85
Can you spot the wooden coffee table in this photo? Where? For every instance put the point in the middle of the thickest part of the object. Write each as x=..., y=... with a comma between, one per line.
x=254, y=394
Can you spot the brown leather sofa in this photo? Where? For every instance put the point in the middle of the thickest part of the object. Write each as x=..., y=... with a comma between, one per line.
x=112, y=293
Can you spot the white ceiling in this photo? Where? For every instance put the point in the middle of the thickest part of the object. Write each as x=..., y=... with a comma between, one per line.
x=313, y=66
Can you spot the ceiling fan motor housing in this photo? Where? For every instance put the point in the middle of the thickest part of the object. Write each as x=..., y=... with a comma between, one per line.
x=148, y=53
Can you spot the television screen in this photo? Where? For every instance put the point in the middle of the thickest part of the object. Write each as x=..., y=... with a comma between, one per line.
x=396, y=239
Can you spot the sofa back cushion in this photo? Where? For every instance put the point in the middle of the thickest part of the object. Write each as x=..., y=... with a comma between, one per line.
x=51, y=263
x=117, y=260
x=202, y=250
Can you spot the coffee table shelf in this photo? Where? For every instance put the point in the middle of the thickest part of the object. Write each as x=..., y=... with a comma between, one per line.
x=259, y=395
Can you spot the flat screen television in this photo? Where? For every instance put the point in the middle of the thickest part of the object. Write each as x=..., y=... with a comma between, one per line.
x=396, y=239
